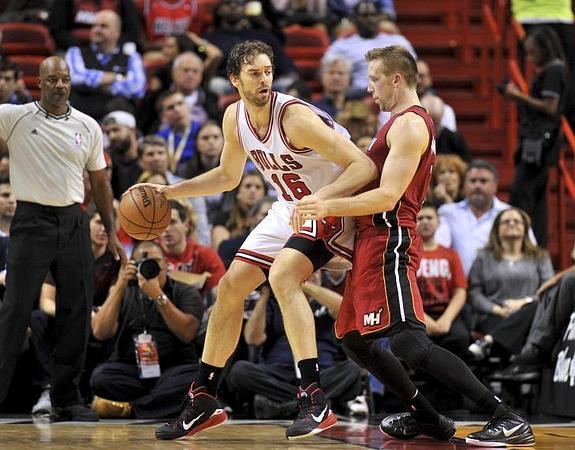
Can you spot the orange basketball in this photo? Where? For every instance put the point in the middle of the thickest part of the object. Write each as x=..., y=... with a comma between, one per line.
x=144, y=214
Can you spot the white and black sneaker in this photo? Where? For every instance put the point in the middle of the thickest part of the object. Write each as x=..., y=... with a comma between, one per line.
x=508, y=429
x=201, y=411
x=405, y=427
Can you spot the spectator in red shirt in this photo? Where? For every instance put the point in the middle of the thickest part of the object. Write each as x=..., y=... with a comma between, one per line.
x=186, y=257
x=443, y=285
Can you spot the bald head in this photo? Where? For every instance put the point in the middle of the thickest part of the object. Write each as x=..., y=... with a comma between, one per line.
x=187, y=58
x=187, y=72
x=111, y=18
x=55, y=84
x=435, y=107
x=106, y=30
x=52, y=64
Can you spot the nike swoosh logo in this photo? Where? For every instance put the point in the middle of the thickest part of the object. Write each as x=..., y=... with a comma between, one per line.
x=319, y=418
x=508, y=433
x=187, y=426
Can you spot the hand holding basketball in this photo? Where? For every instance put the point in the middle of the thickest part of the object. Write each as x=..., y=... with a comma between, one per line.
x=144, y=212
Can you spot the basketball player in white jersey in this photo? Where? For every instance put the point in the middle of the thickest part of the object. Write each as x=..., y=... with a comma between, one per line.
x=298, y=149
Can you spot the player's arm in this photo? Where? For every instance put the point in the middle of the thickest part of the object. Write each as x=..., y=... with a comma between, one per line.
x=407, y=139
x=103, y=198
x=225, y=177
x=305, y=129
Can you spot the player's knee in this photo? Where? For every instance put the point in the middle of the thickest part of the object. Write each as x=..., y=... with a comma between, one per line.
x=230, y=290
x=282, y=281
x=356, y=348
x=411, y=348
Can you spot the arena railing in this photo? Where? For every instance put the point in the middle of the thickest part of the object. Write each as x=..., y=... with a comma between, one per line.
x=499, y=23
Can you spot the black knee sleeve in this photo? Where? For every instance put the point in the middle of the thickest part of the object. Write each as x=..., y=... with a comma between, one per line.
x=413, y=346
x=357, y=348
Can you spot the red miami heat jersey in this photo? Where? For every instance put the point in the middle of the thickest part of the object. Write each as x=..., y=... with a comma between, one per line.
x=405, y=211
x=293, y=172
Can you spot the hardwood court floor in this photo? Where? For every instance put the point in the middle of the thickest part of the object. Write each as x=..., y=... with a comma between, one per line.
x=240, y=435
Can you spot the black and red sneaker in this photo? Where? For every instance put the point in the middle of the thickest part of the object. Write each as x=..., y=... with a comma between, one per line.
x=201, y=411
x=314, y=414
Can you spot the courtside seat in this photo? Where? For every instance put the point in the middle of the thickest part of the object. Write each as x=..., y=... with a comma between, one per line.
x=20, y=38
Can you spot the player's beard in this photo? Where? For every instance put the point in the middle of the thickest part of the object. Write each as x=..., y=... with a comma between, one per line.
x=257, y=99
x=254, y=97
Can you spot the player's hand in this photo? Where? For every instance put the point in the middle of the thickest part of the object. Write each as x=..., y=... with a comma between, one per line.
x=308, y=208
x=117, y=249
x=160, y=189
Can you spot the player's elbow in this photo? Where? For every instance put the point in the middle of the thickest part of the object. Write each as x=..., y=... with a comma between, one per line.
x=388, y=200
x=371, y=170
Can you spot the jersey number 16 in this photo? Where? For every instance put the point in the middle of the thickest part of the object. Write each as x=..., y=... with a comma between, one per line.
x=295, y=185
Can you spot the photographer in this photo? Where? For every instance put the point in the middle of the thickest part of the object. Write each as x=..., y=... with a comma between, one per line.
x=539, y=128
x=154, y=320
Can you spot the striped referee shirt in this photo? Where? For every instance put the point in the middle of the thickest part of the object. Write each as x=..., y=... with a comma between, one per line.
x=48, y=153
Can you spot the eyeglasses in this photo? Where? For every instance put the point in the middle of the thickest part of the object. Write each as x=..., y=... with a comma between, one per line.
x=511, y=222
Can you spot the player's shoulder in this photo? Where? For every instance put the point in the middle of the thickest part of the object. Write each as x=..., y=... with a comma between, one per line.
x=296, y=110
x=409, y=124
x=232, y=109
x=410, y=120
x=231, y=112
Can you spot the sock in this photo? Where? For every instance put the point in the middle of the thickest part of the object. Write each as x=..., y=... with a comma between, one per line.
x=309, y=369
x=422, y=409
x=492, y=404
x=209, y=377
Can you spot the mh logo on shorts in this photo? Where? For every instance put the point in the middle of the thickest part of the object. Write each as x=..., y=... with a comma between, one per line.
x=372, y=318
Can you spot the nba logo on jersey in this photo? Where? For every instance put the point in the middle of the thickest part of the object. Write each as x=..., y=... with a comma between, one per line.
x=78, y=139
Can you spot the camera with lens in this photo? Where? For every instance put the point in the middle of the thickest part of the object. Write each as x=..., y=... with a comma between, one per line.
x=148, y=268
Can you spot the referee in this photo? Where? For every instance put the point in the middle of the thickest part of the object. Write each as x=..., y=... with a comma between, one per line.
x=50, y=145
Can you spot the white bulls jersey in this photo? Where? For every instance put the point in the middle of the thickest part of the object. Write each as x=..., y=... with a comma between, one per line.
x=294, y=173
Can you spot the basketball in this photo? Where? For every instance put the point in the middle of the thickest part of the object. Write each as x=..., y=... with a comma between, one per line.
x=144, y=214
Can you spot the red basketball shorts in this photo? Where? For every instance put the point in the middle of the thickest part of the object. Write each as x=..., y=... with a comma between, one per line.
x=381, y=293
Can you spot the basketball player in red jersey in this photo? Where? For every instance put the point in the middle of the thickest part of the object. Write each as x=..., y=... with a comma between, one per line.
x=300, y=150
x=381, y=296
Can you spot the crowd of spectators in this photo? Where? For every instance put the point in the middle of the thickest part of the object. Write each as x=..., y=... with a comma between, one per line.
x=157, y=85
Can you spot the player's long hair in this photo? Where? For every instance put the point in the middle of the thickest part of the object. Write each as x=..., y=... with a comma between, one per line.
x=528, y=248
